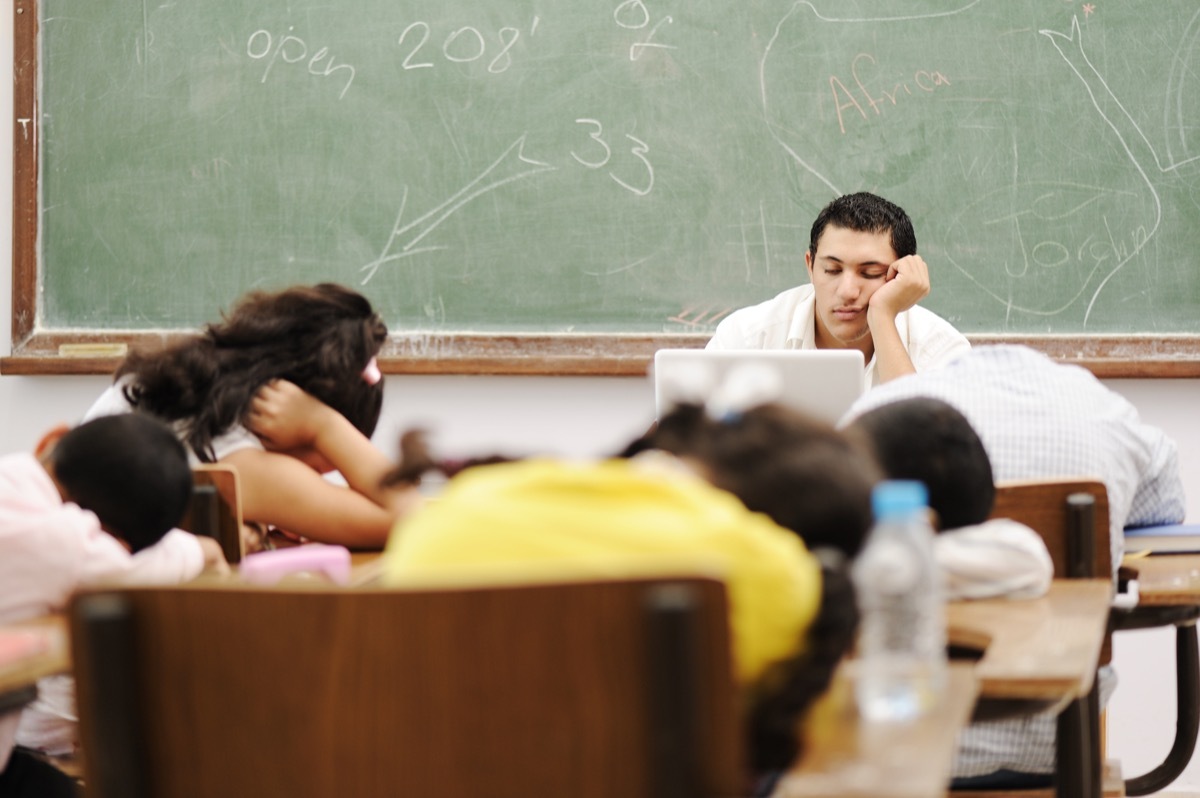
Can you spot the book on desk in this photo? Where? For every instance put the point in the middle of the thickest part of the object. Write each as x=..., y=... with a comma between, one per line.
x=1164, y=539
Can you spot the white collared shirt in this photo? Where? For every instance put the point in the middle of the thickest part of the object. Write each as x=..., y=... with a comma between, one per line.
x=788, y=321
x=113, y=402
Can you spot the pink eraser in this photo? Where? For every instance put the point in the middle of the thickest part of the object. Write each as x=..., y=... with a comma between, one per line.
x=268, y=567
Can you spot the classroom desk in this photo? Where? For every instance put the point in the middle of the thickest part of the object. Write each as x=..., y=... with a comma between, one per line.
x=1042, y=651
x=1166, y=580
x=848, y=757
x=1169, y=595
x=1041, y=655
x=18, y=679
x=1038, y=654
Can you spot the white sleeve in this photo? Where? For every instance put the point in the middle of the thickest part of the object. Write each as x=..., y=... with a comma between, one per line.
x=725, y=337
x=176, y=558
x=999, y=558
x=110, y=403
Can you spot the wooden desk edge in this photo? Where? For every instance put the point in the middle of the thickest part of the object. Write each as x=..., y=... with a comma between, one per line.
x=969, y=622
x=850, y=758
x=26, y=671
x=1167, y=580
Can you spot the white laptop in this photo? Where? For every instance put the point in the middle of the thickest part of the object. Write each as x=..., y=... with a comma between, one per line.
x=820, y=382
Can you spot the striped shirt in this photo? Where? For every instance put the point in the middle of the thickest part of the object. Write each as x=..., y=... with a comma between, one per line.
x=1042, y=419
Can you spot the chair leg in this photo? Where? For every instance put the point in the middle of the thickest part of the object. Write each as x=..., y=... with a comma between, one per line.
x=1187, y=720
x=1077, y=767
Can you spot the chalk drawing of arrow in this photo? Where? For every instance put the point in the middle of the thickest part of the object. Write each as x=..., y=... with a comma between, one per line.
x=402, y=243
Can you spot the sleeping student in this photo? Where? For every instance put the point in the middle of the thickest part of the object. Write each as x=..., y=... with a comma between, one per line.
x=322, y=339
x=96, y=502
x=792, y=614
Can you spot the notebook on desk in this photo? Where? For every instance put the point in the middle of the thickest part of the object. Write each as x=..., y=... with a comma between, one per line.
x=1165, y=539
x=820, y=382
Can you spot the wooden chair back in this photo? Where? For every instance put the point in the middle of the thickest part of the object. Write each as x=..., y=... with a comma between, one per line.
x=215, y=508
x=1071, y=515
x=593, y=690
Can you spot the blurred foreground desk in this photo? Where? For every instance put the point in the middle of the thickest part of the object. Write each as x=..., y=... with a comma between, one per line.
x=848, y=757
x=1042, y=652
x=1041, y=655
x=50, y=655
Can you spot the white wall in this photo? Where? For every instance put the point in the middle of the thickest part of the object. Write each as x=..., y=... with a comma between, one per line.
x=579, y=415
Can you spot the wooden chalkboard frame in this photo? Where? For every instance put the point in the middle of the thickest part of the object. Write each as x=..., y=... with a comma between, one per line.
x=37, y=352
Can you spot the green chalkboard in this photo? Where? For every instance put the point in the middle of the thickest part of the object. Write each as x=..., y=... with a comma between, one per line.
x=613, y=167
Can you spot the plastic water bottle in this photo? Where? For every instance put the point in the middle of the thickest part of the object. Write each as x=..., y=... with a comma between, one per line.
x=902, y=632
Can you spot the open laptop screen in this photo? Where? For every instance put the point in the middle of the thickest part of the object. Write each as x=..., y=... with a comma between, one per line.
x=820, y=382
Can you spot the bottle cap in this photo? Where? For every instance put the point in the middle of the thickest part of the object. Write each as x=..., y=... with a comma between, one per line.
x=898, y=497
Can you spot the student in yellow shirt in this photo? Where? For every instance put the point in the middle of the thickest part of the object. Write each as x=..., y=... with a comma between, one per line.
x=792, y=616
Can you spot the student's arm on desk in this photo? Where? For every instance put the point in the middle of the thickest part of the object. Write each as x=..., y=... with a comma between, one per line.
x=287, y=418
x=282, y=491
x=998, y=558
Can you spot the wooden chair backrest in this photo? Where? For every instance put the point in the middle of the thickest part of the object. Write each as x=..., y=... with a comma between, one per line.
x=1078, y=539
x=1071, y=515
x=593, y=690
x=215, y=508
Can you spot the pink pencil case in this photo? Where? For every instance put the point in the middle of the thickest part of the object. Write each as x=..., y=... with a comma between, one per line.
x=268, y=567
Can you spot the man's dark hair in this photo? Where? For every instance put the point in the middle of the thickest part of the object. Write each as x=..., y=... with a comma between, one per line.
x=929, y=440
x=866, y=213
x=130, y=470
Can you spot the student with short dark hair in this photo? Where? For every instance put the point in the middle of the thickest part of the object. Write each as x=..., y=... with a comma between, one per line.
x=96, y=502
x=929, y=441
x=865, y=280
x=134, y=476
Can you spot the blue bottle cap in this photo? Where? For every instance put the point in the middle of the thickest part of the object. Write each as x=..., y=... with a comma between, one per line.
x=898, y=497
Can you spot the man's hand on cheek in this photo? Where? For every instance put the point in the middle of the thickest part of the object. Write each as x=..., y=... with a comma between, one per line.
x=906, y=284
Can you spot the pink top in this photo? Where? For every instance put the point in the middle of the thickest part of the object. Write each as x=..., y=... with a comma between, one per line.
x=48, y=548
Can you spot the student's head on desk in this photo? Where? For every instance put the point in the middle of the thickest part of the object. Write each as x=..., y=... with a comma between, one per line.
x=130, y=470
x=930, y=441
x=323, y=338
x=805, y=475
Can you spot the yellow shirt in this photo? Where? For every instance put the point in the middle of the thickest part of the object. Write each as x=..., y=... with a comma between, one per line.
x=550, y=519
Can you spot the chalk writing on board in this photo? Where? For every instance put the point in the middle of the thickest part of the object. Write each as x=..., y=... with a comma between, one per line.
x=293, y=50
x=604, y=154
x=844, y=99
x=634, y=15
x=462, y=45
x=613, y=166
x=512, y=165
x=779, y=40
x=1063, y=235
x=702, y=316
x=1059, y=225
